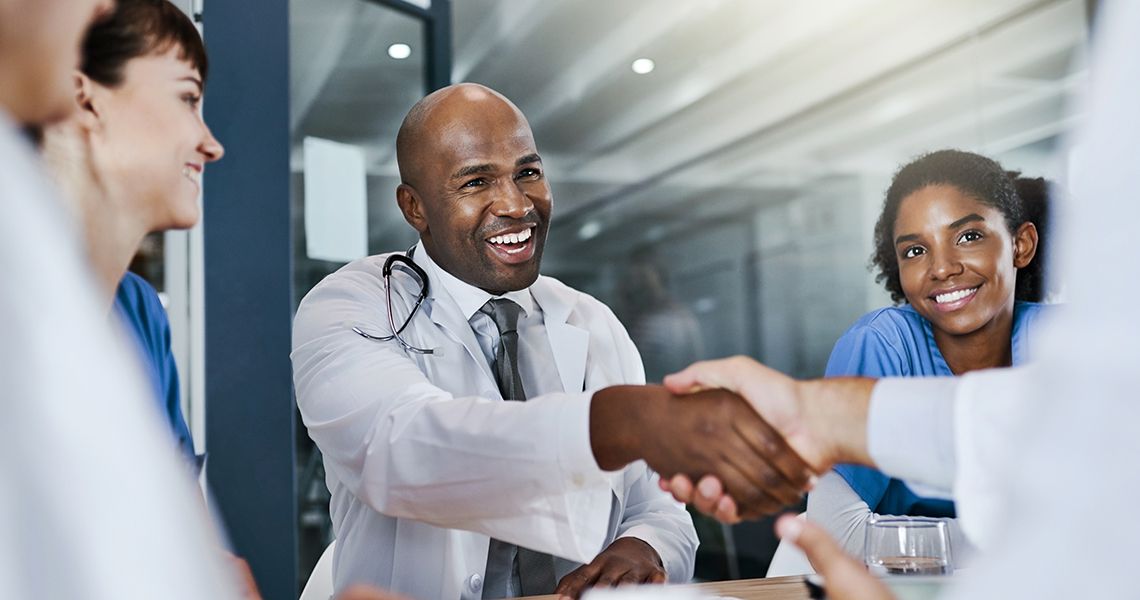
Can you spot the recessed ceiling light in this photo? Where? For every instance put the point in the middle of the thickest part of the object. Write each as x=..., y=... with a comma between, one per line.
x=399, y=51
x=642, y=66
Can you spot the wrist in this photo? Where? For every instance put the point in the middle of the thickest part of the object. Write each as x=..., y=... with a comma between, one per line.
x=835, y=416
x=613, y=438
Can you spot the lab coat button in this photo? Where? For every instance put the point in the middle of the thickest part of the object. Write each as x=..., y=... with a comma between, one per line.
x=578, y=479
x=475, y=582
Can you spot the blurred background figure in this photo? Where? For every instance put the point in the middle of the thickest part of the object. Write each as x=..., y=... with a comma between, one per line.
x=665, y=331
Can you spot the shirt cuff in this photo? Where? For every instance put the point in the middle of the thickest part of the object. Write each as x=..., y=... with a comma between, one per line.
x=910, y=429
x=651, y=535
x=575, y=453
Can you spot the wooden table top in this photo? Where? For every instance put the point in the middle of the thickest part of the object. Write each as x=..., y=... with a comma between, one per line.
x=772, y=588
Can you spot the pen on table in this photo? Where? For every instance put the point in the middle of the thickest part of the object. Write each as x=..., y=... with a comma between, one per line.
x=815, y=587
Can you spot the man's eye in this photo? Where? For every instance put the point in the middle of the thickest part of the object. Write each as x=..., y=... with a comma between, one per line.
x=529, y=173
x=475, y=183
x=913, y=251
x=970, y=236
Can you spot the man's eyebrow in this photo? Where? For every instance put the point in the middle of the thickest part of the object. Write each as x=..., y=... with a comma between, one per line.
x=194, y=80
x=970, y=218
x=529, y=158
x=472, y=170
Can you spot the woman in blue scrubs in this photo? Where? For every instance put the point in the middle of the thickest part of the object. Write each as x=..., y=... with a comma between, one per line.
x=958, y=246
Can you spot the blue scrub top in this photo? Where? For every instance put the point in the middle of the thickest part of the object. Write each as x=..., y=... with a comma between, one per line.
x=137, y=302
x=898, y=342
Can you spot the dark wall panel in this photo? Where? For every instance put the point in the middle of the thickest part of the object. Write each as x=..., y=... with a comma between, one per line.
x=249, y=402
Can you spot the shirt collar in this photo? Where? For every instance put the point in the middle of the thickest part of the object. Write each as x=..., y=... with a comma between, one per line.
x=468, y=297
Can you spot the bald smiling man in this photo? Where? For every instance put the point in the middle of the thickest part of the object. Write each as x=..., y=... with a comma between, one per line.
x=485, y=451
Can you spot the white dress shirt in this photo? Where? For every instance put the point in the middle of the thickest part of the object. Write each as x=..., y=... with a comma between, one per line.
x=96, y=504
x=536, y=360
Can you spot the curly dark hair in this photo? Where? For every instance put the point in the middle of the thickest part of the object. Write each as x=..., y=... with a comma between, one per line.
x=1019, y=199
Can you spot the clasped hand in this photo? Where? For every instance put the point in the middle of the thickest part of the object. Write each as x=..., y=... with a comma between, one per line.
x=709, y=431
x=817, y=423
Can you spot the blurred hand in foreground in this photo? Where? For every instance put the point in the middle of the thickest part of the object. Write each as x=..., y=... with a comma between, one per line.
x=244, y=576
x=844, y=577
x=364, y=592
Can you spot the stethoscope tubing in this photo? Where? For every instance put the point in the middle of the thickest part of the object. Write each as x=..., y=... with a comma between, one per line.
x=386, y=273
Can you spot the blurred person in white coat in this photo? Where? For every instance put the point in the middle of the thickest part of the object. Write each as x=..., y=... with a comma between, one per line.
x=426, y=462
x=1042, y=458
x=95, y=503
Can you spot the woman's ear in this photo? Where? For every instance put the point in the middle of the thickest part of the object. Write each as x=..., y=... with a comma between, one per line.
x=88, y=111
x=1024, y=245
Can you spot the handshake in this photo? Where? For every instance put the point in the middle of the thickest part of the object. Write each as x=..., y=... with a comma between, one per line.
x=753, y=438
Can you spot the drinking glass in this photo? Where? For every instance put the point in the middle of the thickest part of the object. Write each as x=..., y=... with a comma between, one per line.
x=907, y=546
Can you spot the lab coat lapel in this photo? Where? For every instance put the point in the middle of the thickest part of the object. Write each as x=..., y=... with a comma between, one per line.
x=444, y=312
x=569, y=343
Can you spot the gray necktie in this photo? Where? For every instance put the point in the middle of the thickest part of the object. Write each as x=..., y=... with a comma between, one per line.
x=536, y=569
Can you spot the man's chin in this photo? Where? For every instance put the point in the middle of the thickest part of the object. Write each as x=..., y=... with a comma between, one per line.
x=511, y=282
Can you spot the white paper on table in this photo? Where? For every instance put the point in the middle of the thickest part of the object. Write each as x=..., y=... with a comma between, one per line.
x=336, y=201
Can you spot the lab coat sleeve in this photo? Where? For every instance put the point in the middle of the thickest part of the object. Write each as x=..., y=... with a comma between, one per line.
x=650, y=514
x=990, y=416
x=910, y=429
x=953, y=433
x=519, y=472
x=655, y=518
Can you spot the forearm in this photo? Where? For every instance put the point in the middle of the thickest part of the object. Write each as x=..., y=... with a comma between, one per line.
x=840, y=511
x=414, y=460
x=835, y=413
x=614, y=440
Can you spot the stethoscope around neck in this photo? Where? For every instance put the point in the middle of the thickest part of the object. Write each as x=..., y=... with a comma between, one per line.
x=403, y=262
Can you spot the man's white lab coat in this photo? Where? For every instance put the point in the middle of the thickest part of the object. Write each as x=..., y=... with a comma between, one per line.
x=424, y=459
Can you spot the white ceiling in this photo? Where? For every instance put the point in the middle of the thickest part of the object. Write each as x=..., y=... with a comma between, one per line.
x=750, y=100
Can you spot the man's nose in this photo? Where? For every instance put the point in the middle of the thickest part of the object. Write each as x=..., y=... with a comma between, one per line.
x=512, y=202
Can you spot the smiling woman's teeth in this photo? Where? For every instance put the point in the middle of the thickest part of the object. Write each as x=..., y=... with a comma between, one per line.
x=511, y=238
x=954, y=296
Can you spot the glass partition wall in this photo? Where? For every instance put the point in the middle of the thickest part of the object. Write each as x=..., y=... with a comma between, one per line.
x=356, y=67
x=717, y=167
x=720, y=196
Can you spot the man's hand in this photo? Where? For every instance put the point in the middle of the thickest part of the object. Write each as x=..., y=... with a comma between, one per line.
x=712, y=431
x=823, y=421
x=844, y=578
x=627, y=561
